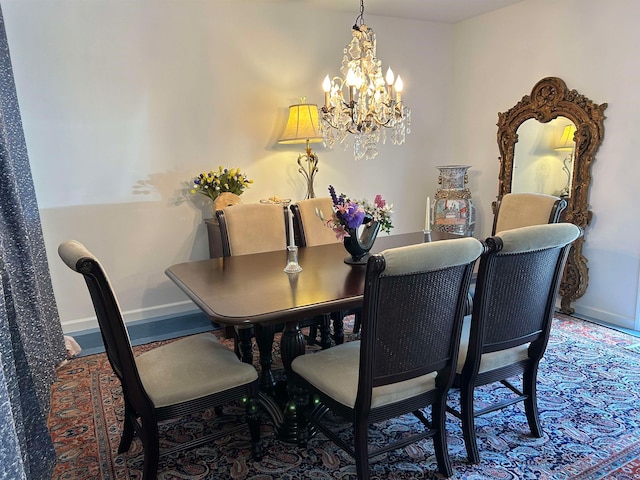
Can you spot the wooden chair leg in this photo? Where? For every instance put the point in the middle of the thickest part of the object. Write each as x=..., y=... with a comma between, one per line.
x=313, y=334
x=361, y=432
x=338, y=327
x=529, y=380
x=357, y=322
x=244, y=344
x=151, y=446
x=229, y=332
x=440, y=438
x=127, y=430
x=468, y=423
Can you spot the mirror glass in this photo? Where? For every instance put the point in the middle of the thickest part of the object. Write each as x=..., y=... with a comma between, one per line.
x=543, y=157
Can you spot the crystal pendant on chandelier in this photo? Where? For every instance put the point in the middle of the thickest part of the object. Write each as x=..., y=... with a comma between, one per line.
x=362, y=102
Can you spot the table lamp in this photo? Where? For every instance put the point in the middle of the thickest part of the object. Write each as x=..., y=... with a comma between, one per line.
x=303, y=127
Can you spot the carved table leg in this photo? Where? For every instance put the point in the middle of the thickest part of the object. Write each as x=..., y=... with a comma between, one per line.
x=325, y=332
x=294, y=428
x=264, y=339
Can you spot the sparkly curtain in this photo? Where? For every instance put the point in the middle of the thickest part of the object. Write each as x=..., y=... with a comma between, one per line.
x=31, y=340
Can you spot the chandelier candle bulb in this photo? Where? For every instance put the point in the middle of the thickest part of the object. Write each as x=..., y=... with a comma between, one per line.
x=398, y=87
x=389, y=76
x=326, y=86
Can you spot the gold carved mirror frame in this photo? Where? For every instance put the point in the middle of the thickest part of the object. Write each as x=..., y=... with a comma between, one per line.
x=549, y=99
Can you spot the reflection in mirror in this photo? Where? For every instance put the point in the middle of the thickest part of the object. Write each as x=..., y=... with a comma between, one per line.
x=543, y=157
x=547, y=142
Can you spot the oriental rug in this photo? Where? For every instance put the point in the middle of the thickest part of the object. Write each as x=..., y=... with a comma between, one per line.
x=588, y=397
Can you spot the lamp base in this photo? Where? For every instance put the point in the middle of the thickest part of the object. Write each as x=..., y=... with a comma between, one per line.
x=309, y=170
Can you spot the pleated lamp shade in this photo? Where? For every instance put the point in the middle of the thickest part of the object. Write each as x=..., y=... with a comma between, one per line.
x=302, y=125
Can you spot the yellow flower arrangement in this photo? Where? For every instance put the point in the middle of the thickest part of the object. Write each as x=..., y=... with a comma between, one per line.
x=213, y=183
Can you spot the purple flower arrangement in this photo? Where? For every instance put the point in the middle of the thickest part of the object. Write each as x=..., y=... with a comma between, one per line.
x=349, y=214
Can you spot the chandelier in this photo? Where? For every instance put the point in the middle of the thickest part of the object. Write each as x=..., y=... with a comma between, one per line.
x=362, y=102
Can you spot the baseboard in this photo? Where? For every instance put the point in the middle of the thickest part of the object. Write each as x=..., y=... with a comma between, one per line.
x=628, y=331
x=623, y=323
x=149, y=330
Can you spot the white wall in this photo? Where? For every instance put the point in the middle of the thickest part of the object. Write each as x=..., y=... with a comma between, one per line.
x=590, y=44
x=123, y=102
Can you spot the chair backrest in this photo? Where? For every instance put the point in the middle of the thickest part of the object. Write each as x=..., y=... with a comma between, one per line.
x=515, y=210
x=112, y=327
x=310, y=222
x=516, y=288
x=414, y=301
x=253, y=228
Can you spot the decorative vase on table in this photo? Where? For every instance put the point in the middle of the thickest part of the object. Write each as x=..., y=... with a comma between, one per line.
x=453, y=209
x=225, y=199
x=359, y=242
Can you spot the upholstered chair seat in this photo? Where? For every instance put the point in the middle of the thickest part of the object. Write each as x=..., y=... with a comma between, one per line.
x=169, y=374
x=343, y=388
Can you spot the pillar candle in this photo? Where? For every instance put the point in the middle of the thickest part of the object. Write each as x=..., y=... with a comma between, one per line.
x=427, y=219
x=292, y=241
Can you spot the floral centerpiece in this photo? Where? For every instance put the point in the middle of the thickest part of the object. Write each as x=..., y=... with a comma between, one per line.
x=349, y=214
x=216, y=182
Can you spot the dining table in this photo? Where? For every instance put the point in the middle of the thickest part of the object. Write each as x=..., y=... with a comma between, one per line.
x=246, y=291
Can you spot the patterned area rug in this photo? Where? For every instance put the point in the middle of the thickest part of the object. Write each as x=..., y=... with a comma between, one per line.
x=589, y=401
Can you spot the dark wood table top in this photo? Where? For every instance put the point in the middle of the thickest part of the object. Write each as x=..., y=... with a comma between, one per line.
x=251, y=289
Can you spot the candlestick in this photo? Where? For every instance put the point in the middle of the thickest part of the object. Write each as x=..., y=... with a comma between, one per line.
x=292, y=260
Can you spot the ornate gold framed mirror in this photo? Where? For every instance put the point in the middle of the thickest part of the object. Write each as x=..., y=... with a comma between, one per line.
x=552, y=104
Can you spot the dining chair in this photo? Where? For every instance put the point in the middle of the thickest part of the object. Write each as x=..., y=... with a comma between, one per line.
x=254, y=228
x=515, y=210
x=183, y=377
x=414, y=299
x=310, y=218
x=507, y=334
x=310, y=228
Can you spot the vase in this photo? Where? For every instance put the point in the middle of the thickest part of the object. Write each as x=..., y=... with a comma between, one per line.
x=453, y=209
x=359, y=242
x=225, y=199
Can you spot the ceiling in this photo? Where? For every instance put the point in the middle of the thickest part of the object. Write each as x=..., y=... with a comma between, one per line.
x=447, y=11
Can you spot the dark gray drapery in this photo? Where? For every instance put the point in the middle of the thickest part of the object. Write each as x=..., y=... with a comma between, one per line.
x=31, y=340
